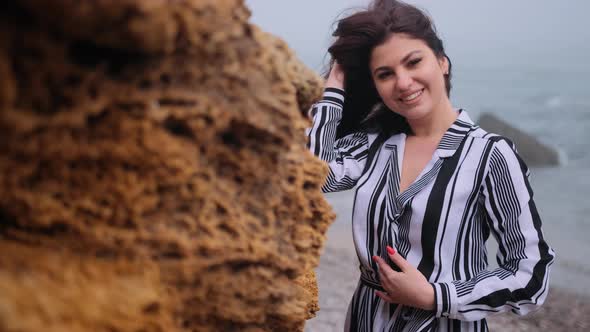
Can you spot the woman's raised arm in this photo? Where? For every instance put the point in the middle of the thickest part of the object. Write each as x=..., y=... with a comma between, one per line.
x=346, y=156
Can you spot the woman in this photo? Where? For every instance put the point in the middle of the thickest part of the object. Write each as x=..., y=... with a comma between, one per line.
x=430, y=184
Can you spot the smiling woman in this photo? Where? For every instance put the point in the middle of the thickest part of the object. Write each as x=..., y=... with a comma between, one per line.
x=409, y=77
x=431, y=186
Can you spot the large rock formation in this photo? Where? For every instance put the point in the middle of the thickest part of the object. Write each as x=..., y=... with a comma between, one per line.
x=534, y=152
x=153, y=170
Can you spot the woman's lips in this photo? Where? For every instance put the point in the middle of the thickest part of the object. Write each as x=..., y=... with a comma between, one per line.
x=412, y=98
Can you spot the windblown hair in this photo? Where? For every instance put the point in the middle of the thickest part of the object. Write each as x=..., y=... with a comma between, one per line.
x=356, y=37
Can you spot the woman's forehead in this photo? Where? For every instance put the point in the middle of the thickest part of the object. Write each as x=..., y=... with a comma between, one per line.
x=396, y=49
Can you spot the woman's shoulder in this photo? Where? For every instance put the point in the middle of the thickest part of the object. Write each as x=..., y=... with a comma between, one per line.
x=489, y=137
x=501, y=151
x=497, y=146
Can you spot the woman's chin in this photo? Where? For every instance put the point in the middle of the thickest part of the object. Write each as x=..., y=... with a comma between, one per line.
x=414, y=113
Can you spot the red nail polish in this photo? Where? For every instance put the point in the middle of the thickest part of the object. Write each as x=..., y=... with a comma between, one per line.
x=390, y=250
x=375, y=258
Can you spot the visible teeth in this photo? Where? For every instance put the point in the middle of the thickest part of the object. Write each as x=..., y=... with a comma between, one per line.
x=413, y=96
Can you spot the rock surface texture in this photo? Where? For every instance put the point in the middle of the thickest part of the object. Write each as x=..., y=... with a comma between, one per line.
x=153, y=170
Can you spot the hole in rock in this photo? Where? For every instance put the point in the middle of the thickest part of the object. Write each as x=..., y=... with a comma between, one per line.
x=89, y=55
x=239, y=179
x=55, y=229
x=229, y=138
x=152, y=308
x=105, y=254
x=72, y=80
x=165, y=79
x=241, y=135
x=176, y=102
x=145, y=84
x=172, y=254
x=93, y=92
x=309, y=185
x=94, y=119
x=221, y=210
x=228, y=229
x=6, y=221
x=178, y=128
x=208, y=120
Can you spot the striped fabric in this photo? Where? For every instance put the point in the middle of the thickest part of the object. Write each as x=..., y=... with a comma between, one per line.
x=474, y=185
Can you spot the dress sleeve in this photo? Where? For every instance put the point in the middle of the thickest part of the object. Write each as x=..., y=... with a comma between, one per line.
x=346, y=156
x=520, y=283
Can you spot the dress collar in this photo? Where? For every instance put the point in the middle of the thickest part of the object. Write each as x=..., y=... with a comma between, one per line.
x=455, y=134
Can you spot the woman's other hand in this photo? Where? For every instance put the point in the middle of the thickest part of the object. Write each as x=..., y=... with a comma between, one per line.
x=408, y=287
x=336, y=77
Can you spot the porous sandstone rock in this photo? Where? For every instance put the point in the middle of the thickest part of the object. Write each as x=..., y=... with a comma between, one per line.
x=153, y=170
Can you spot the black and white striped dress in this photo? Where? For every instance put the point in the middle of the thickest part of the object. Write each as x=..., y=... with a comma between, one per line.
x=474, y=185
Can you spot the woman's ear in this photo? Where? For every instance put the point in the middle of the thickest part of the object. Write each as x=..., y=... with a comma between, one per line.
x=443, y=62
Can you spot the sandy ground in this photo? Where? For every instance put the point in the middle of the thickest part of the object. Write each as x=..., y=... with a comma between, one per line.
x=566, y=308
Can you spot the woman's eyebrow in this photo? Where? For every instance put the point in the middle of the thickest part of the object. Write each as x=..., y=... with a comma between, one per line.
x=407, y=57
x=404, y=60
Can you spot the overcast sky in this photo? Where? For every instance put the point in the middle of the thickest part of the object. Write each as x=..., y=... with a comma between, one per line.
x=476, y=33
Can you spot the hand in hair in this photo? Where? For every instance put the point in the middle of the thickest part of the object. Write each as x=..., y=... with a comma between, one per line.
x=336, y=77
x=408, y=287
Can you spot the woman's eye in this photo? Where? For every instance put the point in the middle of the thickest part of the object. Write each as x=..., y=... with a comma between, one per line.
x=383, y=75
x=414, y=62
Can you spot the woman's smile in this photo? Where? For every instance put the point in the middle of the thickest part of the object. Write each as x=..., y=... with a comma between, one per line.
x=411, y=98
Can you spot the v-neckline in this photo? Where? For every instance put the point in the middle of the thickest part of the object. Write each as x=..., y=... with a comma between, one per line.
x=461, y=121
x=401, y=156
x=448, y=145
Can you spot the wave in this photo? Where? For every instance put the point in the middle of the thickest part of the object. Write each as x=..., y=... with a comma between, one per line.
x=553, y=102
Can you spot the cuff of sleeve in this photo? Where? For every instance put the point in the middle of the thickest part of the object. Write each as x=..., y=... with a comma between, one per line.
x=445, y=298
x=334, y=95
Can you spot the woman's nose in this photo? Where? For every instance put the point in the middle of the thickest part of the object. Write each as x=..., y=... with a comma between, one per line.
x=404, y=81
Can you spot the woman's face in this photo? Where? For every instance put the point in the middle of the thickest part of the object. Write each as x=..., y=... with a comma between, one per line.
x=408, y=76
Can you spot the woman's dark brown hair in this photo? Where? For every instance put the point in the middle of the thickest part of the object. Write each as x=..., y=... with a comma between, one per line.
x=356, y=37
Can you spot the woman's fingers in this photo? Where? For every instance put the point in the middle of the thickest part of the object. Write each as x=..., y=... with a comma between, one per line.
x=383, y=266
x=385, y=296
x=386, y=273
x=398, y=260
x=408, y=287
x=382, y=278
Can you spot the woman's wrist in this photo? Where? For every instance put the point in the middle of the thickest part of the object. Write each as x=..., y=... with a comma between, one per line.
x=336, y=77
x=333, y=83
x=429, y=298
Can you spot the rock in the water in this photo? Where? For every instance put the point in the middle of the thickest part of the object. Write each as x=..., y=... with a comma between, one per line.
x=153, y=170
x=533, y=151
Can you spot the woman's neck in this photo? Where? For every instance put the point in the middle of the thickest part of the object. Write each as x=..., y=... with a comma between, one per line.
x=436, y=123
